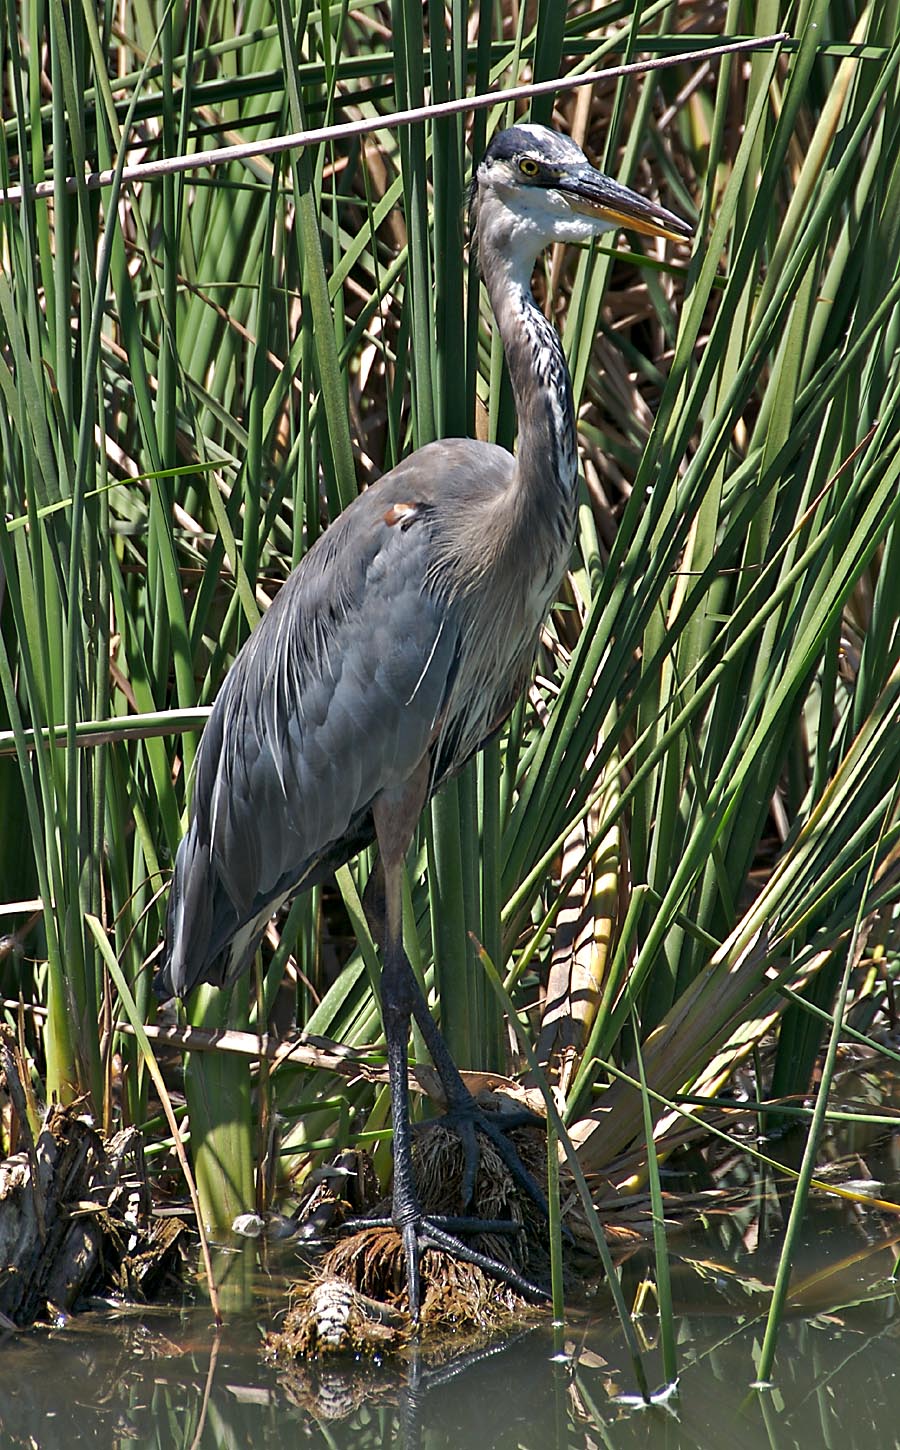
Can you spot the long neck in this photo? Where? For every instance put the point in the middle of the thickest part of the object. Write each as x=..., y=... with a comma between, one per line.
x=547, y=465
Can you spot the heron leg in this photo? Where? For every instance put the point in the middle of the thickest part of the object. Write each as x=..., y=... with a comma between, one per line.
x=463, y=1113
x=467, y=1118
x=417, y=1230
x=401, y=999
x=406, y=1212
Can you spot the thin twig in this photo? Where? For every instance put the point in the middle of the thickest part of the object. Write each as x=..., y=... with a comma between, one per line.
x=275, y=145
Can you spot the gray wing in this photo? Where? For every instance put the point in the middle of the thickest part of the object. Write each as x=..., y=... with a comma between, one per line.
x=336, y=696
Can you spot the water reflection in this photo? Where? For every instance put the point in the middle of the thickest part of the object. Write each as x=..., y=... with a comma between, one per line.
x=157, y=1378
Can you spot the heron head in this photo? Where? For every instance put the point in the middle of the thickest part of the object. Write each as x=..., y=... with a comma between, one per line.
x=535, y=186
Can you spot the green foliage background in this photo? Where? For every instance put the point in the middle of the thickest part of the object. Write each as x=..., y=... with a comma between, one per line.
x=694, y=813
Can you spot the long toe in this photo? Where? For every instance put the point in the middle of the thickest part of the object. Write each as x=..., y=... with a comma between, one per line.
x=433, y=1235
x=448, y=1236
x=468, y=1119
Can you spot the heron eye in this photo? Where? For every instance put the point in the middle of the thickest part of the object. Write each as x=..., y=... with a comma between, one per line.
x=528, y=167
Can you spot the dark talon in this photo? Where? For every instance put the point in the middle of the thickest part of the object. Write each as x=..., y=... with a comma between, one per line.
x=452, y=1224
x=433, y=1232
x=434, y=1237
x=457, y=1225
x=428, y=1234
x=468, y=1119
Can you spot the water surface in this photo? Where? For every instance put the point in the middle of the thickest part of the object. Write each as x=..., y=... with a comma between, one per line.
x=162, y=1377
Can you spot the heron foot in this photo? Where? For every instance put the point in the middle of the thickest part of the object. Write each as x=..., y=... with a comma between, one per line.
x=467, y=1119
x=438, y=1231
x=450, y=1223
x=427, y=1233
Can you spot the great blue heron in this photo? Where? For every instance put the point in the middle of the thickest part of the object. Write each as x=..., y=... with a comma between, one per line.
x=397, y=648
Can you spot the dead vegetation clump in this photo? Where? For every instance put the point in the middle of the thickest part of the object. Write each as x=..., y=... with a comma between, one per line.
x=357, y=1300
x=75, y=1211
